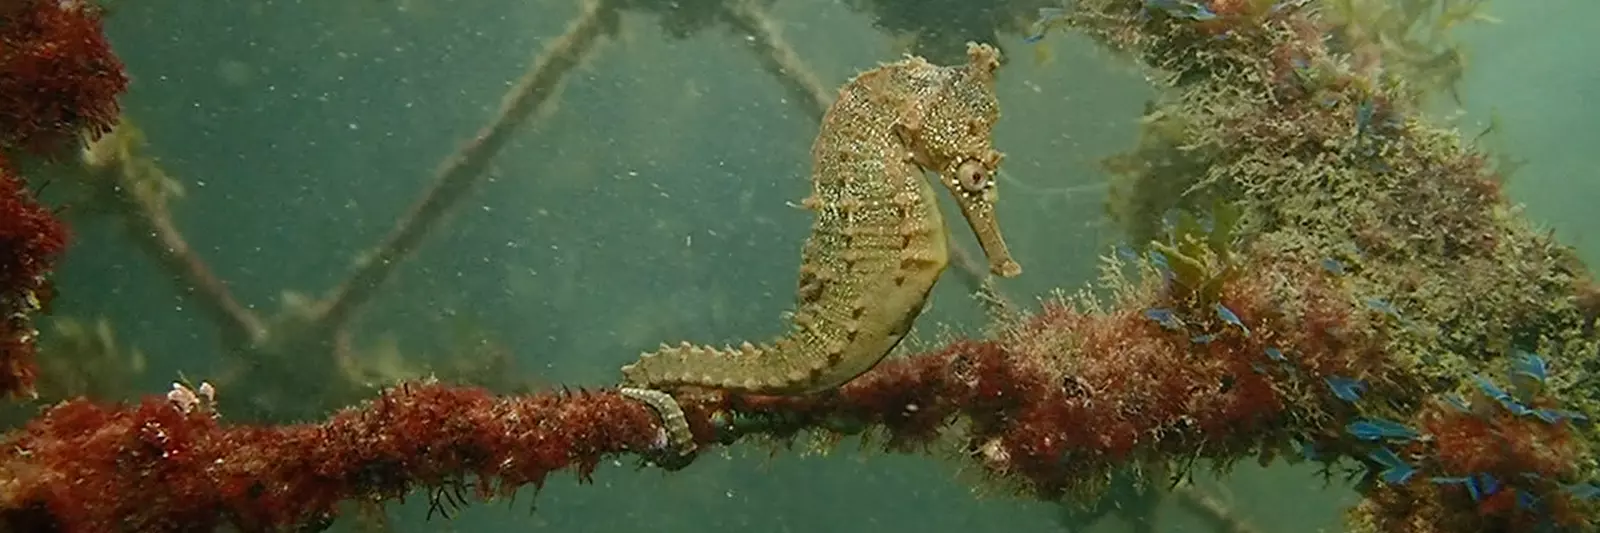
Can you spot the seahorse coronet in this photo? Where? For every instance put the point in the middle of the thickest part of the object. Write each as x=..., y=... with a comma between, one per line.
x=879, y=241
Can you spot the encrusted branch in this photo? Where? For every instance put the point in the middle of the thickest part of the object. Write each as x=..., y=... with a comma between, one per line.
x=163, y=465
x=1051, y=407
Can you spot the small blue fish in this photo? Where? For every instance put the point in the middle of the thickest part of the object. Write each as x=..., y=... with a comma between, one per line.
x=1165, y=317
x=1583, y=491
x=1203, y=339
x=1530, y=365
x=1228, y=316
x=1169, y=225
x=1364, y=112
x=1456, y=401
x=1482, y=486
x=1528, y=375
x=1500, y=395
x=1286, y=6
x=1378, y=429
x=1549, y=416
x=1308, y=450
x=1395, y=471
x=1345, y=388
x=1383, y=306
x=1126, y=253
x=1303, y=72
x=1048, y=18
x=1333, y=266
x=1574, y=416
x=1275, y=354
x=1527, y=501
x=1159, y=261
x=1185, y=9
x=1491, y=390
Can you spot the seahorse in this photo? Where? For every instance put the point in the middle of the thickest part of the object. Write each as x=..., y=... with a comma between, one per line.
x=879, y=241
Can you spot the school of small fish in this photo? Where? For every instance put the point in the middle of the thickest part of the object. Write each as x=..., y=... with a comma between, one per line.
x=1529, y=373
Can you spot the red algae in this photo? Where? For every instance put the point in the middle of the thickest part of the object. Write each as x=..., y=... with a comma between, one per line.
x=1530, y=463
x=1140, y=390
x=59, y=79
x=58, y=83
x=88, y=467
x=31, y=239
x=1070, y=395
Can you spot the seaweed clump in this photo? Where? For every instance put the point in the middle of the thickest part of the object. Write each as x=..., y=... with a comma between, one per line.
x=58, y=84
x=58, y=77
x=1331, y=166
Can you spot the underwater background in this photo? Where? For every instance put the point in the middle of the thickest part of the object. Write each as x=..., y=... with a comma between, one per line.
x=652, y=202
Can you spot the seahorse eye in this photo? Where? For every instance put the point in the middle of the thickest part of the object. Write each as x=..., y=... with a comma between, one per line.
x=972, y=177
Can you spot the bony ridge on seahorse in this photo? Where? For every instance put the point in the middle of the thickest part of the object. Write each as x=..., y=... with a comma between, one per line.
x=879, y=241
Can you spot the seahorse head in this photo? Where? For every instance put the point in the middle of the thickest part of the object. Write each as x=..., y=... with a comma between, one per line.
x=954, y=140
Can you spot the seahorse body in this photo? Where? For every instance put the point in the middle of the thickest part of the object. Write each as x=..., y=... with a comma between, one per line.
x=879, y=241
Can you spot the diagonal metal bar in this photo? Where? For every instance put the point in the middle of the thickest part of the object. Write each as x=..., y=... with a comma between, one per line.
x=154, y=230
x=462, y=170
x=778, y=57
x=123, y=177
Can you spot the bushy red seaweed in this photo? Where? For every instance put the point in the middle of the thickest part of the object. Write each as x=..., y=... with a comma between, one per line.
x=1070, y=395
x=59, y=79
x=58, y=85
x=31, y=238
x=1523, y=469
x=152, y=467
